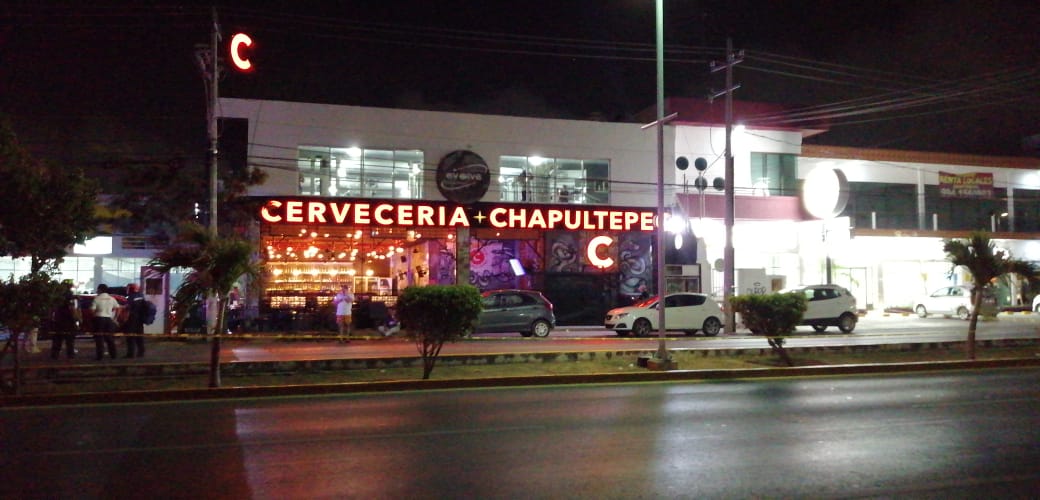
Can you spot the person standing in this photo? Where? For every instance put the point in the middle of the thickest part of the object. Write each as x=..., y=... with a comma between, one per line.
x=104, y=308
x=344, y=301
x=234, y=310
x=66, y=324
x=134, y=329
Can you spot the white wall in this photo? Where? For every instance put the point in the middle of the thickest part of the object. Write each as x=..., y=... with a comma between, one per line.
x=277, y=128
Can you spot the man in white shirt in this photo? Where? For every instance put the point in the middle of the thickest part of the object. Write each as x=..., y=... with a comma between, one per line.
x=105, y=307
x=344, y=301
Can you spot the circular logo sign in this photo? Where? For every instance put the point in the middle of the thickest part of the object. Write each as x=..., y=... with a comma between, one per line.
x=463, y=176
x=825, y=192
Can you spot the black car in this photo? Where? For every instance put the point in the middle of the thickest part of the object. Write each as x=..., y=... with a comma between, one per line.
x=524, y=311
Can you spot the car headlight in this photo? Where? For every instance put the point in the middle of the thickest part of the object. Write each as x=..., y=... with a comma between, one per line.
x=620, y=315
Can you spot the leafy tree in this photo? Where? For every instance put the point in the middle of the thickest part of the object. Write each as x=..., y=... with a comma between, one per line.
x=24, y=305
x=217, y=263
x=772, y=315
x=434, y=314
x=161, y=195
x=45, y=208
x=980, y=257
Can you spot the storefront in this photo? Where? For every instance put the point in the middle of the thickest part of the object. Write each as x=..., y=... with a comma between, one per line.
x=586, y=259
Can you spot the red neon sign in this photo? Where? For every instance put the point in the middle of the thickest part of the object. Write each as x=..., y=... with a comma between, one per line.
x=420, y=214
x=237, y=42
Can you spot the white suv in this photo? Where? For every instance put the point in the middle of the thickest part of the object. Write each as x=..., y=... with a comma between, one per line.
x=828, y=305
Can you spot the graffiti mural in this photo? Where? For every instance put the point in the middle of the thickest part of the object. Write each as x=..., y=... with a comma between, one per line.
x=565, y=253
x=489, y=264
x=636, y=263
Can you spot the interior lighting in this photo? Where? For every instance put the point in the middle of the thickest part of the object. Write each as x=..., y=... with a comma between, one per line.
x=368, y=272
x=354, y=152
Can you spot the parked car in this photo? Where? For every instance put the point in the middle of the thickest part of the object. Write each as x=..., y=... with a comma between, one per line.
x=954, y=301
x=524, y=311
x=1036, y=303
x=828, y=305
x=686, y=312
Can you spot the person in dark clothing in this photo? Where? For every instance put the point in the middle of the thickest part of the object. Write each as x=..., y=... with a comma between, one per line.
x=66, y=324
x=134, y=328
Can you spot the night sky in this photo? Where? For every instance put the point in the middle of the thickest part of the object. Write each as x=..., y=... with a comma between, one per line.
x=951, y=76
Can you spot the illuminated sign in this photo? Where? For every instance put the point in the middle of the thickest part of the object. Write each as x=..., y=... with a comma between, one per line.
x=970, y=185
x=434, y=214
x=237, y=42
x=592, y=251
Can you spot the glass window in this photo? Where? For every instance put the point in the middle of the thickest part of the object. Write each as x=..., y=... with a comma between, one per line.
x=1027, y=210
x=554, y=180
x=357, y=172
x=964, y=213
x=774, y=174
x=889, y=206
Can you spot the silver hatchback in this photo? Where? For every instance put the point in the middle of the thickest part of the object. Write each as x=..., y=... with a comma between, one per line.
x=524, y=311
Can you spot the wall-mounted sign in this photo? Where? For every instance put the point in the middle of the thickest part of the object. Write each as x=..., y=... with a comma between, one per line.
x=365, y=212
x=238, y=41
x=463, y=176
x=596, y=251
x=825, y=192
x=970, y=185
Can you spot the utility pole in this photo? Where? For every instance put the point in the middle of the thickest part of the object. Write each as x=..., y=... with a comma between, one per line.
x=728, y=254
x=208, y=59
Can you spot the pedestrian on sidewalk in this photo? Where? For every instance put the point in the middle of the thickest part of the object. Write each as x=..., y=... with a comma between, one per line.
x=134, y=328
x=104, y=308
x=344, y=301
x=66, y=323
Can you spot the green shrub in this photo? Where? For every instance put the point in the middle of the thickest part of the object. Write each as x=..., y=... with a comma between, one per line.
x=771, y=314
x=434, y=314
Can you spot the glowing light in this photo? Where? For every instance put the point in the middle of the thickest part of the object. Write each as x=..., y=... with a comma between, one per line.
x=237, y=42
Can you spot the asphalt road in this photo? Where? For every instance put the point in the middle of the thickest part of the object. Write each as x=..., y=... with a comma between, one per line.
x=942, y=435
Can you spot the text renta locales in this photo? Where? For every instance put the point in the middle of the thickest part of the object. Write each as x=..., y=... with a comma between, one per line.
x=431, y=215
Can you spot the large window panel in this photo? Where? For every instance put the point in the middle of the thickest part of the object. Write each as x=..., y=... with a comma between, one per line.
x=554, y=180
x=774, y=174
x=890, y=206
x=963, y=213
x=358, y=172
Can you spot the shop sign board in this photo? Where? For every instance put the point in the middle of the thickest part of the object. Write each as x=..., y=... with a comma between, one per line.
x=970, y=185
x=390, y=213
x=463, y=176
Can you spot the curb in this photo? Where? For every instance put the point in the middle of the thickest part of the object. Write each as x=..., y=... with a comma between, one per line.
x=246, y=368
x=544, y=380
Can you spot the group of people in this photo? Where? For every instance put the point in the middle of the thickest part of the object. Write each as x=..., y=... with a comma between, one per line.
x=107, y=312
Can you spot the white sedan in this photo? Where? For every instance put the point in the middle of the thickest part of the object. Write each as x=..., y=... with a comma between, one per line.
x=686, y=312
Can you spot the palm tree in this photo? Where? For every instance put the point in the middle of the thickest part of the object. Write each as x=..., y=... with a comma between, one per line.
x=217, y=263
x=978, y=254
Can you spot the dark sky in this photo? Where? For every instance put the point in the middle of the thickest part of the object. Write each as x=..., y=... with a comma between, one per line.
x=955, y=76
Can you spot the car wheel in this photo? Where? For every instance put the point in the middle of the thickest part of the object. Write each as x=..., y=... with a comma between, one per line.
x=847, y=323
x=819, y=328
x=962, y=313
x=1037, y=308
x=711, y=327
x=922, y=312
x=541, y=328
x=641, y=328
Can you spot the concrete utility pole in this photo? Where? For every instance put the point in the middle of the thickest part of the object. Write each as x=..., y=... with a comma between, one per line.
x=729, y=254
x=208, y=59
x=213, y=134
